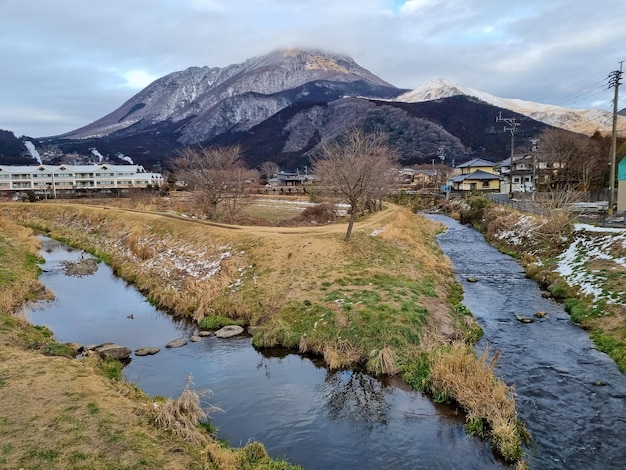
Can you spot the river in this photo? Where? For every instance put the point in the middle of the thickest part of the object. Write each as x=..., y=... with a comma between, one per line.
x=571, y=397
x=317, y=418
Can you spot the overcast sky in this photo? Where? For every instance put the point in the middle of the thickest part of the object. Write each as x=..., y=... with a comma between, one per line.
x=66, y=63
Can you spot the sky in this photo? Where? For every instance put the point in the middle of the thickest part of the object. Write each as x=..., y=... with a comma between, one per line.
x=66, y=63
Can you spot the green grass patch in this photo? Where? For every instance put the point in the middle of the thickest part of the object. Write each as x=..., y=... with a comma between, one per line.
x=111, y=368
x=610, y=345
x=215, y=322
x=35, y=336
x=58, y=349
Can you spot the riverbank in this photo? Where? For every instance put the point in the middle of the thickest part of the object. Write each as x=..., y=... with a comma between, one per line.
x=383, y=301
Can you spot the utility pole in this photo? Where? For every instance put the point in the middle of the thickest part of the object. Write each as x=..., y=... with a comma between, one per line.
x=614, y=82
x=533, y=149
x=512, y=128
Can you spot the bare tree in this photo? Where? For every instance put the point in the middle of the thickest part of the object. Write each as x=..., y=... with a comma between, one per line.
x=240, y=180
x=207, y=171
x=564, y=151
x=269, y=169
x=356, y=168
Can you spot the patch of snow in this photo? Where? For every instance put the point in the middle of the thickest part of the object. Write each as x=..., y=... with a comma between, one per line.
x=593, y=228
x=121, y=156
x=32, y=150
x=95, y=153
x=573, y=262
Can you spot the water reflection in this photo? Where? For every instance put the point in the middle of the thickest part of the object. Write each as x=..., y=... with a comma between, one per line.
x=317, y=418
x=355, y=396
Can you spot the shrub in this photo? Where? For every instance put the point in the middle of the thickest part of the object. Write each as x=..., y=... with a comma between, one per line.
x=474, y=214
x=323, y=213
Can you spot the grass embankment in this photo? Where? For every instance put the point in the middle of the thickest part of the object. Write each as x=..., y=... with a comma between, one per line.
x=593, y=285
x=76, y=414
x=382, y=301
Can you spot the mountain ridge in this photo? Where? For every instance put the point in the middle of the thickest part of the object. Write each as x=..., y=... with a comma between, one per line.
x=582, y=121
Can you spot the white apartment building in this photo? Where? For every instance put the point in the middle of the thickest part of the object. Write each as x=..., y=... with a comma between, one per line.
x=51, y=179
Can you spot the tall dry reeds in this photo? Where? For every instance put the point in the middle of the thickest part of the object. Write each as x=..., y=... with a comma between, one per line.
x=182, y=415
x=472, y=383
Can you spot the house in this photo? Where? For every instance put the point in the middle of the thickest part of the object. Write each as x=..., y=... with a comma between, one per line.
x=531, y=172
x=48, y=180
x=288, y=178
x=475, y=175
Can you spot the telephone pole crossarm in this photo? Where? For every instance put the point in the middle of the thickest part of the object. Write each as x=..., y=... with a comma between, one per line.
x=512, y=128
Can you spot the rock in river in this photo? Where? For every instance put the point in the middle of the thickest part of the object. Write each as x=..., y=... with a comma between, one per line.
x=177, y=343
x=228, y=331
x=113, y=350
x=146, y=351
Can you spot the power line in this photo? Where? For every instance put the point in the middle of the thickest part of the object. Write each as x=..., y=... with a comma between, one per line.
x=599, y=80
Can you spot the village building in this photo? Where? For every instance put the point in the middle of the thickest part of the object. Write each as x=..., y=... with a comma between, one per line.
x=57, y=180
x=475, y=175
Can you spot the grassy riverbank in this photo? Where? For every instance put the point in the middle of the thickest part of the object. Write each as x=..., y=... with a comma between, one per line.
x=383, y=301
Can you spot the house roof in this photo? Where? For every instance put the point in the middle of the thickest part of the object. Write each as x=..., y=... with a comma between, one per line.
x=475, y=175
x=476, y=162
x=516, y=158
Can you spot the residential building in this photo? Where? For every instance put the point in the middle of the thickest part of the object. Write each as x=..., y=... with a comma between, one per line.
x=289, y=178
x=475, y=175
x=50, y=180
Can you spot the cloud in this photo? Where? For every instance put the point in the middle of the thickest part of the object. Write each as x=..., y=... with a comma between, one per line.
x=138, y=79
x=80, y=60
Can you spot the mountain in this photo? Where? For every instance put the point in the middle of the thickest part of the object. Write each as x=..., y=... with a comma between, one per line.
x=463, y=126
x=281, y=106
x=582, y=121
x=201, y=102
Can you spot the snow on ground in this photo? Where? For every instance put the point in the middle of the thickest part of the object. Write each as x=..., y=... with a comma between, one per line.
x=522, y=231
x=590, y=244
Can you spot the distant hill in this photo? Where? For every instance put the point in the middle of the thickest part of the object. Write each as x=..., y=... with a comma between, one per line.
x=12, y=150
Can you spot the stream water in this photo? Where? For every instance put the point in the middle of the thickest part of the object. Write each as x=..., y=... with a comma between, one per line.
x=572, y=397
x=316, y=418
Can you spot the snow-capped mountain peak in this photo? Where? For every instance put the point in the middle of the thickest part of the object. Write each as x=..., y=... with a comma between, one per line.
x=583, y=121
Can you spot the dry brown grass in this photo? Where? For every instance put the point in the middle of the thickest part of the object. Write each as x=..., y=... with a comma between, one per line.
x=61, y=413
x=183, y=414
x=18, y=279
x=474, y=385
x=385, y=361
